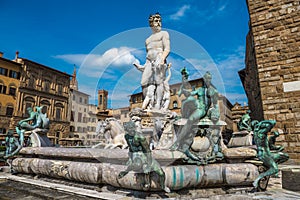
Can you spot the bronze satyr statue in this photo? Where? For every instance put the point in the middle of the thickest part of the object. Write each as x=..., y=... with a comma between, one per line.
x=269, y=159
x=245, y=122
x=140, y=157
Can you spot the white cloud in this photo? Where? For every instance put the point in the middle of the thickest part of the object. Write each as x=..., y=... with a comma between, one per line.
x=76, y=59
x=93, y=65
x=231, y=62
x=180, y=13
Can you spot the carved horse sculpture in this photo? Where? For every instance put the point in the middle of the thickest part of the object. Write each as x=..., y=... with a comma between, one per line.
x=113, y=133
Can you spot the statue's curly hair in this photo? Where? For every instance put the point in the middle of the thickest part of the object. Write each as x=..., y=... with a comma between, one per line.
x=152, y=17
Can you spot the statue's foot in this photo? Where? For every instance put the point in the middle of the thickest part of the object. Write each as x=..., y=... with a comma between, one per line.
x=167, y=190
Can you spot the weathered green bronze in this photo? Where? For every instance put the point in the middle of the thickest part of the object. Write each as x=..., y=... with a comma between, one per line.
x=12, y=145
x=270, y=159
x=140, y=157
x=194, y=109
x=245, y=122
x=36, y=122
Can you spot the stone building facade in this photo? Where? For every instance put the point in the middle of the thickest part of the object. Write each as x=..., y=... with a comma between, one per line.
x=44, y=86
x=250, y=80
x=79, y=117
x=121, y=114
x=275, y=38
x=9, y=87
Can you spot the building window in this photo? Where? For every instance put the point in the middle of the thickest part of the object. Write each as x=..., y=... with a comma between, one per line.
x=9, y=111
x=72, y=129
x=100, y=99
x=73, y=97
x=72, y=116
x=44, y=109
x=80, y=99
x=59, y=89
x=2, y=88
x=46, y=86
x=3, y=71
x=79, y=129
x=175, y=105
x=2, y=130
x=85, y=101
x=79, y=117
x=58, y=114
x=13, y=74
x=12, y=91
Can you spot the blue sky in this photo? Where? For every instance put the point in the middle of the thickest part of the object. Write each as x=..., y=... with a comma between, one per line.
x=104, y=38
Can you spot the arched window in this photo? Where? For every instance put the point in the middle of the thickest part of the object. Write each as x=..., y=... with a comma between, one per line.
x=175, y=104
x=58, y=111
x=46, y=106
x=2, y=130
x=2, y=87
x=58, y=114
x=9, y=110
x=12, y=90
x=28, y=103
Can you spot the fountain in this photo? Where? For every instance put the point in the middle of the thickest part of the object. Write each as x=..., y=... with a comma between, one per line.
x=165, y=152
